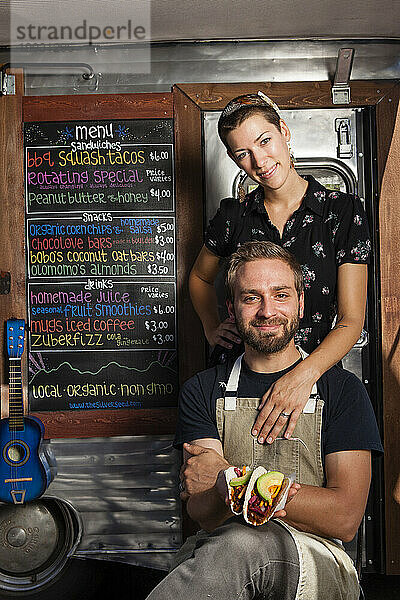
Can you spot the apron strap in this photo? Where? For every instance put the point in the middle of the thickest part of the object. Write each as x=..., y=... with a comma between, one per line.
x=232, y=385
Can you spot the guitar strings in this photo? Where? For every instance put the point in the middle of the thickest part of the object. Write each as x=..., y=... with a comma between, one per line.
x=10, y=410
x=12, y=390
x=18, y=399
x=15, y=400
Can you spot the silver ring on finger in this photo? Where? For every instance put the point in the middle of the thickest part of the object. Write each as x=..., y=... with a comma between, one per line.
x=286, y=415
x=181, y=487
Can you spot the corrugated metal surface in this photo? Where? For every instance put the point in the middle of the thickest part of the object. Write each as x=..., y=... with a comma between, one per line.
x=125, y=491
x=291, y=60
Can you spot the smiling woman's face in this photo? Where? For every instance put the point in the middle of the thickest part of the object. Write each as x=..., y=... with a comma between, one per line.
x=261, y=150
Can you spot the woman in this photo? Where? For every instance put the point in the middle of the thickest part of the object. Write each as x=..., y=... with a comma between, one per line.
x=325, y=230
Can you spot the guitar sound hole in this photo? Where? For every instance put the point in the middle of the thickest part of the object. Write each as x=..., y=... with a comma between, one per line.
x=16, y=453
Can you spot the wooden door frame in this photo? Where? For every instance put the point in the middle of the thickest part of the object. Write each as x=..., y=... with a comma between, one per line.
x=190, y=100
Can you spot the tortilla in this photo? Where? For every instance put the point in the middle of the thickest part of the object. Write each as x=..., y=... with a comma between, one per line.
x=259, y=511
x=236, y=493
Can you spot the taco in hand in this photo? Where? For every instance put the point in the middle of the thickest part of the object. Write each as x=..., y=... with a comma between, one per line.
x=265, y=491
x=236, y=481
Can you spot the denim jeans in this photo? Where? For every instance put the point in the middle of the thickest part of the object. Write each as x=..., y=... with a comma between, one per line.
x=235, y=562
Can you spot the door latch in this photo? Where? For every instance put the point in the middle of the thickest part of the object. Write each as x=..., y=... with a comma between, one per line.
x=344, y=147
x=341, y=85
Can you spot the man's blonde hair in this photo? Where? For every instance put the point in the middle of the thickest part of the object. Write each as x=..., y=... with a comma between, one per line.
x=251, y=251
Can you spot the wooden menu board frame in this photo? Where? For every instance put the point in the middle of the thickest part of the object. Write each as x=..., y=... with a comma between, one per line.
x=101, y=423
x=190, y=100
x=85, y=108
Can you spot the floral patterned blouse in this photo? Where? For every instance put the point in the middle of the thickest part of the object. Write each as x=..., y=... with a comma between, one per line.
x=328, y=229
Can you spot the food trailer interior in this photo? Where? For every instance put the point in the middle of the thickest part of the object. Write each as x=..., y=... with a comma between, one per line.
x=115, y=494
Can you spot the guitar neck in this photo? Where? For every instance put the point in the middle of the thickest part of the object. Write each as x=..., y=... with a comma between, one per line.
x=15, y=398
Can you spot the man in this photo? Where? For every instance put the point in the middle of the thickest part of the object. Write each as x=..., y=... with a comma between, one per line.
x=300, y=555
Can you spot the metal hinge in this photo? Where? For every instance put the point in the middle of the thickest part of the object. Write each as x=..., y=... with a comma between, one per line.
x=341, y=87
x=344, y=147
x=7, y=84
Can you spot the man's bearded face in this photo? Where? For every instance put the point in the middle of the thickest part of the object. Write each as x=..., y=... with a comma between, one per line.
x=267, y=342
x=267, y=308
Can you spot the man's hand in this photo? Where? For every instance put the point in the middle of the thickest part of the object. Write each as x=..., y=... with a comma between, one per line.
x=288, y=395
x=200, y=471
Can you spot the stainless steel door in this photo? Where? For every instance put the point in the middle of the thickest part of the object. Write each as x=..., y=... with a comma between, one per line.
x=316, y=134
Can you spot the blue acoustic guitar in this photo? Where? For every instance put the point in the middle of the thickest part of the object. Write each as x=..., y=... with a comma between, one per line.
x=24, y=470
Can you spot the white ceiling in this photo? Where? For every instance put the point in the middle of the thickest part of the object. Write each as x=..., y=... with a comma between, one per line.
x=169, y=20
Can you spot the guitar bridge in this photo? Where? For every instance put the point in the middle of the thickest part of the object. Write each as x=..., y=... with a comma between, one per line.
x=15, y=494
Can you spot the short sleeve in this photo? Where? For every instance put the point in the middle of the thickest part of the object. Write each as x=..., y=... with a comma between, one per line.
x=218, y=237
x=351, y=422
x=194, y=416
x=351, y=234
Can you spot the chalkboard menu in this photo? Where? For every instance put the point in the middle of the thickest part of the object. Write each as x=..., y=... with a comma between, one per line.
x=101, y=264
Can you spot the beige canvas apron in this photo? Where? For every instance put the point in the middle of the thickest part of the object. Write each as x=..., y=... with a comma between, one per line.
x=326, y=571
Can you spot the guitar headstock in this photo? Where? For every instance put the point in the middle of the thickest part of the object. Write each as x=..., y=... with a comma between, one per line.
x=15, y=337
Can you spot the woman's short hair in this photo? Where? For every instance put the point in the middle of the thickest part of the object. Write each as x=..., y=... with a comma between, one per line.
x=251, y=251
x=241, y=108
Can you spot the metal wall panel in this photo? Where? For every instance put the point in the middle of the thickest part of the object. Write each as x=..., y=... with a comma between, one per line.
x=125, y=491
x=213, y=62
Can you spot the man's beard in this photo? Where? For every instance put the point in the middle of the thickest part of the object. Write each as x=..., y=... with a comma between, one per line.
x=264, y=342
